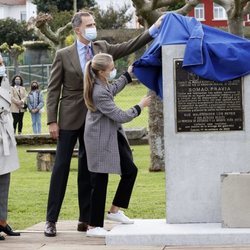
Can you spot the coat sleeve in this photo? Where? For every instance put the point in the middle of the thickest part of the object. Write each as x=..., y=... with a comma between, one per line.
x=104, y=103
x=123, y=49
x=119, y=84
x=54, y=88
x=41, y=101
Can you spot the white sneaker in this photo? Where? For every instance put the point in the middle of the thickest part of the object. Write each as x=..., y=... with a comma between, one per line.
x=119, y=217
x=96, y=232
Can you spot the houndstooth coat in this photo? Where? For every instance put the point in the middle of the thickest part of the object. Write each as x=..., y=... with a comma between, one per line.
x=101, y=127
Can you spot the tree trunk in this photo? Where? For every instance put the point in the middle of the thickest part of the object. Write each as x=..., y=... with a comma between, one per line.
x=156, y=134
x=235, y=26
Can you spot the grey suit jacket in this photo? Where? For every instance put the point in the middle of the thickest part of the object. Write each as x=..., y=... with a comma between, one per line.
x=65, y=103
x=101, y=128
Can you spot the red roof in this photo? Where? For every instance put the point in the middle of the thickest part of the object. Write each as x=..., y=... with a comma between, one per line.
x=13, y=2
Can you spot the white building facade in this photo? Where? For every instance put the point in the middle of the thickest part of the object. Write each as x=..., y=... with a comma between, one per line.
x=20, y=10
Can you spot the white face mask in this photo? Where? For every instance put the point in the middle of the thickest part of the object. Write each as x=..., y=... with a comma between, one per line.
x=112, y=74
x=89, y=34
x=2, y=70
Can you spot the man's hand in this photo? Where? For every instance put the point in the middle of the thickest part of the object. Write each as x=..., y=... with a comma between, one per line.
x=54, y=130
x=159, y=21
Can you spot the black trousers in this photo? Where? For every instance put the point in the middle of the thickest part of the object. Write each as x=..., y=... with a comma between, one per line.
x=18, y=120
x=123, y=193
x=65, y=146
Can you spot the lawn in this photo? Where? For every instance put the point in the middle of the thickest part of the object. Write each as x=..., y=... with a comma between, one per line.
x=29, y=191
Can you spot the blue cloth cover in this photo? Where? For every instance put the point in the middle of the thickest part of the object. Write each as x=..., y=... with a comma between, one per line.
x=210, y=53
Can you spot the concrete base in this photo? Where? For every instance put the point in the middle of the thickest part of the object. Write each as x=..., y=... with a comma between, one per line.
x=158, y=232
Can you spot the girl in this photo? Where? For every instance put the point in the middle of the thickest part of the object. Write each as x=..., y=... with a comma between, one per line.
x=35, y=104
x=105, y=141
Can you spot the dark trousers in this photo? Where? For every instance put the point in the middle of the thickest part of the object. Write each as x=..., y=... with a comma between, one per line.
x=123, y=193
x=18, y=120
x=65, y=146
x=4, y=193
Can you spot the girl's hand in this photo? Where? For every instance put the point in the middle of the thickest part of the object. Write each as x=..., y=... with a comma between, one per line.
x=130, y=69
x=145, y=101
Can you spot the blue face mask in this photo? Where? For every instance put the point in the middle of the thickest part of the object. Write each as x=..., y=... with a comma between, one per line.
x=90, y=34
x=2, y=70
x=112, y=74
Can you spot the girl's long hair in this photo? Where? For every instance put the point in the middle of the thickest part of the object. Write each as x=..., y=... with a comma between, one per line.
x=99, y=62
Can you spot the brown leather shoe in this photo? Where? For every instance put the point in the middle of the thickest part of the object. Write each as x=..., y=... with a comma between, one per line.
x=82, y=226
x=50, y=229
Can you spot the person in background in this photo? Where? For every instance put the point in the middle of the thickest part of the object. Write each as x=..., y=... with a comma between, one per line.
x=8, y=152
x=106, y=144
x=35, y=104
x=18, y=102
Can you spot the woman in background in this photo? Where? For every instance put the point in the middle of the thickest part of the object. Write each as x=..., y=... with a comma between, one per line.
x=35, y=104
x=18, y=102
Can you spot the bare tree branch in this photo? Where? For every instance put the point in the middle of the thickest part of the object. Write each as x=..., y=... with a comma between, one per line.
x=64, y=30
x=161, y=3
x=190, y=4
x=237, y=8
x=226, y=4
x=246, y=9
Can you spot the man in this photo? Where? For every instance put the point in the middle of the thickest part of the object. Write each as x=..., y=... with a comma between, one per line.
x=65, y=90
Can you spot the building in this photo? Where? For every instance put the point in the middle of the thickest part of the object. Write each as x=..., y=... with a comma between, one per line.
x=20, y=10
x=213, y=14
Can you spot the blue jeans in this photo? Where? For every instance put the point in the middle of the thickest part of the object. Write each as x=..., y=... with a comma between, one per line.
x=36, y=122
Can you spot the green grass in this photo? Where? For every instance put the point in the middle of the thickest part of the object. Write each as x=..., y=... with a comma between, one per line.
x=130, y=96
x=29, y=191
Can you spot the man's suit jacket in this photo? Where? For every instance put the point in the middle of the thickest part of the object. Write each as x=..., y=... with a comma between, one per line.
x=65, y=89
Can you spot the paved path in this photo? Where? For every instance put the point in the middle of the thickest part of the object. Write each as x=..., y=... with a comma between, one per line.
x=69, y=239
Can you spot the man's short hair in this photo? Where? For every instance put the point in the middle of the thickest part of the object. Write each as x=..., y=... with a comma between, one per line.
x=77, y=18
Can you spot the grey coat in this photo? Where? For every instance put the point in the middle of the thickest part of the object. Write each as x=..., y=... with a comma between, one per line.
x=101, y=128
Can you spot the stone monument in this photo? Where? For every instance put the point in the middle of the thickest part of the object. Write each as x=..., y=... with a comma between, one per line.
x=206, y=134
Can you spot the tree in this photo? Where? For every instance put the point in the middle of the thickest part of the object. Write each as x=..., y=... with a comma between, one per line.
x=148, y=11
x=12, y=35
x=62, y=5
x=112, y=18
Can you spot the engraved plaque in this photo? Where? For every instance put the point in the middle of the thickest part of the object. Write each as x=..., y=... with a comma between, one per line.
x=203, y=105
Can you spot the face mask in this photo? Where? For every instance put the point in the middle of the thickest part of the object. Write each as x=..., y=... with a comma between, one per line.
x=34, y=87
x=2, y=70
x=17, y=82
x=89, y=34
x=112, y=74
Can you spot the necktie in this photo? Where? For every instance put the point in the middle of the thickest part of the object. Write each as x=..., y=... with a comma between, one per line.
x=88, y=54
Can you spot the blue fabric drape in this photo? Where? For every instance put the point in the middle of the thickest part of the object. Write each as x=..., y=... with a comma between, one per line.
x=210, y=53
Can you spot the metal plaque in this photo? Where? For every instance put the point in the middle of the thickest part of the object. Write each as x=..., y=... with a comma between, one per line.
x=203, y=105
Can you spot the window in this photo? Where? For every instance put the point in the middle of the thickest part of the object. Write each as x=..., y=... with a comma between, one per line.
x=23, y=15
x=219, y=12
x=199, y=12
x=248, y=17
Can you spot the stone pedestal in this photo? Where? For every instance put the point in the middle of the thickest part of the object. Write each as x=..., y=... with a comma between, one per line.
x=45, y=162
x=235, y=202
x=195, y=160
